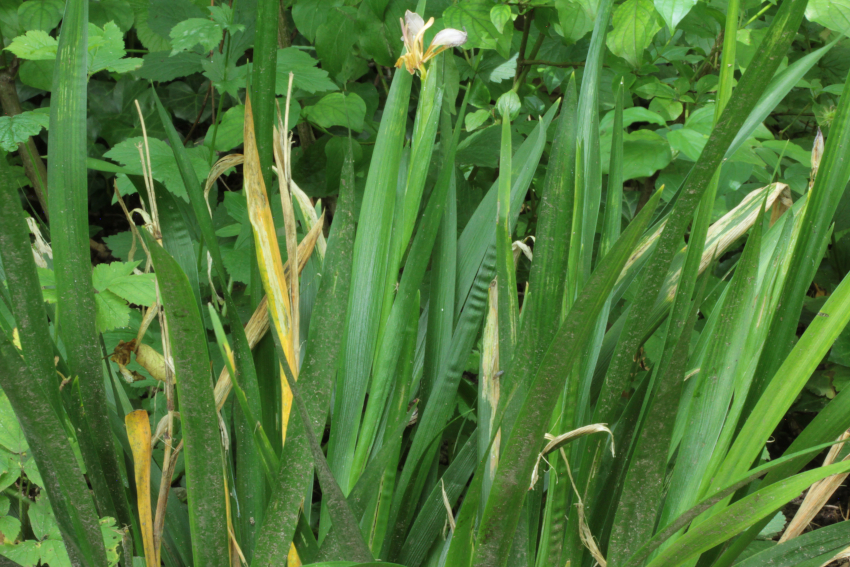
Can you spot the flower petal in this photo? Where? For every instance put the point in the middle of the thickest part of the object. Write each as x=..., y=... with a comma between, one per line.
x=414, y=22
x=405, y=38
x=421, y=34
x=449, y=38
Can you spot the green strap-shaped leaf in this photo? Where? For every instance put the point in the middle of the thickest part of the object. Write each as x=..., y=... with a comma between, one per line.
x=540, y=317
x=28, y=387
x=741, y=515
x=440, y=408
x=589, y=178
x=263, y=86
x=441, y=303
x=432, y=517
x=749, y=89
x=823, y=200
x=518, y=457
x=321, y=355
x=478, y=235
x=22, y=280
x=414, y=271
x=815, y=544
x=241, y=350
x=682, y=521
x=508, y=310
x=203, y=452
x=787, y=383
x=251, y=489
x=645, y=479
x=349, y=541
x=778, y=88
x=371, y=247
x=398, y=418
x=67, y=181
x=829, y=423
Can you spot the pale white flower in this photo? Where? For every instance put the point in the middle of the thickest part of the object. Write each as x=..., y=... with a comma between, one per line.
x=413, y=29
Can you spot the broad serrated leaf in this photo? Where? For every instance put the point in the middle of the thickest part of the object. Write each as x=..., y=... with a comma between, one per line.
x=37, y=74
x=189, y=33
x=104, y=275
x=26, y=553
x=162, y=66
x=17, y=129
x=163, y=165
x=106, y=50
x=118, y=11
x=138, y=289
x=42, y=521
x=504, y=70
x=223, y=16
x=303, y=66
x=112, y=312
x=41, y=15
x=500, y=14
x=9, y=528
x=163, y=15
x=833, y=14
x=112, y=537
x=635, y=24
x=225, y=74
x=687, y=142
x=11, y=436
x=35, y=45
x=474, y=17
x=474, y=120
x=150, y=39
x=337, y=109
x=308, y=15
x=644, y=153
x=575, y=23
x=335, y=39
x=673, y=11
x=229, y=134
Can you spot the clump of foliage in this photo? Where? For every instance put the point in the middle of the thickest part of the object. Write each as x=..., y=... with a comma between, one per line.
x=535, y=284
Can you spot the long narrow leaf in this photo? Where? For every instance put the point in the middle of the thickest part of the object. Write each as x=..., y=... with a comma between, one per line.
x=203, y=452
x=787, y=383
x=823, y=200
x=320, y=364
x=139, y=433
x=28, y=392
x=368, y=279
x=67, y=181
x=741, y=515
x=749, y=89
x=350, y=541
x=517, y=462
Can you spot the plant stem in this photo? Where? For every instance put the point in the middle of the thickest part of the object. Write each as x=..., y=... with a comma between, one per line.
x=526, y=28
x=198, y=118
x=521, y=79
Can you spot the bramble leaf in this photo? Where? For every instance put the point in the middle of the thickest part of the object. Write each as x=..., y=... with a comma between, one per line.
x=307, y=76
x=17, y=129
x=35, y=45
x=635, y=24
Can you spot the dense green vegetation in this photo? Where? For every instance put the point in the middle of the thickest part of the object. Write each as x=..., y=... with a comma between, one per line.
x=538, y=283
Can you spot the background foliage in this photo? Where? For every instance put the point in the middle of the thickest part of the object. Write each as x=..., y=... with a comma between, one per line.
x=406, y=414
